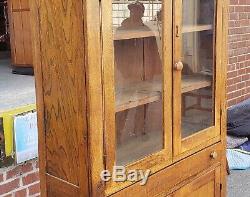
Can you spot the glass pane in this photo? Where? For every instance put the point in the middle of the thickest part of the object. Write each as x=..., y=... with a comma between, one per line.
x=138, y=79
x=198, y=73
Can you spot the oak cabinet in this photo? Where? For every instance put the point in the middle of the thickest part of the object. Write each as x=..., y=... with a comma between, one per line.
x=139, y=84
x=206, y=185
x=20, y=33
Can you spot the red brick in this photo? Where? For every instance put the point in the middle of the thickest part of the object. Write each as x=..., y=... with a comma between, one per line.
x=19, y=170
x=231, y=88
x=238, y=82
x=241, y=85
x=34, y=189
x=30, y=178
x=37, y=164
x=231, y=9
x=234, y=2
x=231, y=102
x=245, y=77
x=240, y=99
x=8, y=195
x=231, y=74
x=21, y=193
x=1, y=178
x=232, y=60
x=241, y=71
x=7, y=187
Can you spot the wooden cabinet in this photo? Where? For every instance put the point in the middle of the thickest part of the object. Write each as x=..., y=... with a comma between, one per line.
x=137, y=84
x=206, y=185
x=20, y=33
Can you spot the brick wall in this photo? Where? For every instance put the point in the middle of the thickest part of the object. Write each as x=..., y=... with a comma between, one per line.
x=238, y=82
x=20, y=181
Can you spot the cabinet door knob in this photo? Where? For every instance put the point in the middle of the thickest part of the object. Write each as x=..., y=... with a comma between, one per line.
x=214, y=155
x=178, y=66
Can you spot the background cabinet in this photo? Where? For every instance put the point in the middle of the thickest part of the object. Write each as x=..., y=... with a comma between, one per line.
x=125, y=86
x=20, y=33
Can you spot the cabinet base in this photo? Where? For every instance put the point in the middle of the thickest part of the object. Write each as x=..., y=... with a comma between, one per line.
x=22, y=70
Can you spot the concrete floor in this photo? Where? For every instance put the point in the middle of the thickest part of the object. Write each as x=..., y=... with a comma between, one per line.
x=239, y=183
x=15, y=90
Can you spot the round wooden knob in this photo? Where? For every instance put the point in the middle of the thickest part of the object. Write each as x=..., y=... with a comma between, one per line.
x=214, y=155
x=178, y=66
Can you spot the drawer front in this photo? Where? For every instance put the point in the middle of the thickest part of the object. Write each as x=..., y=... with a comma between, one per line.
x=167, y=181
x=208, y=184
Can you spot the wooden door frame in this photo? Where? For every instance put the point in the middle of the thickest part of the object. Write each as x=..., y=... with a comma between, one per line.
x=61, y=58
x=204, y=138
x=156, y=161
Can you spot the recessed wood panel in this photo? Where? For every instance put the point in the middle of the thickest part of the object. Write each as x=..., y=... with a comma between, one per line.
x=64, y=94
x=57, y=187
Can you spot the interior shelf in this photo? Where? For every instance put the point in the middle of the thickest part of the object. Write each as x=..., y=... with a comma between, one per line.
x=137, y=33
x=147, y=92
x=194, y=82
x=140, y=94
x=154, y=31
x=196, y=28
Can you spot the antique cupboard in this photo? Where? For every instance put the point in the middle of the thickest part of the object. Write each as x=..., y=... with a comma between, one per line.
x=139, y=84
x=20, y=33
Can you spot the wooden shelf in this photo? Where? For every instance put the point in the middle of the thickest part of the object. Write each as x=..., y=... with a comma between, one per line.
x=150, y=91
x=190, y=83
x=146, y=32
x=196, y=28
x=140, y=94
x=131, y=34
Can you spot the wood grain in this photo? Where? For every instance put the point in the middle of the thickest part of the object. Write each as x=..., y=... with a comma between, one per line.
x=166, y=181
x=223, y=96
x=145, y=33
x=57, y=187
x=149, y=91
x=186, y=145
x=204, y=185
x=35, y=35
x=62, y=60
x=20, y=33
x=76, y=79
x=135, y=61
x=94, y=82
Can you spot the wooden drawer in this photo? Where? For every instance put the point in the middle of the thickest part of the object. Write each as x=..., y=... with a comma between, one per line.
x=175, y=176
x=207, y=184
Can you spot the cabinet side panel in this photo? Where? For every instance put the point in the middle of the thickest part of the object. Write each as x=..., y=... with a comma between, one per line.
x=63, y=133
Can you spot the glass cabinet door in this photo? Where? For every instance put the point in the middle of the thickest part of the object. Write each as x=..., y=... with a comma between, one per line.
x=140, y=109
x=195, y=73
